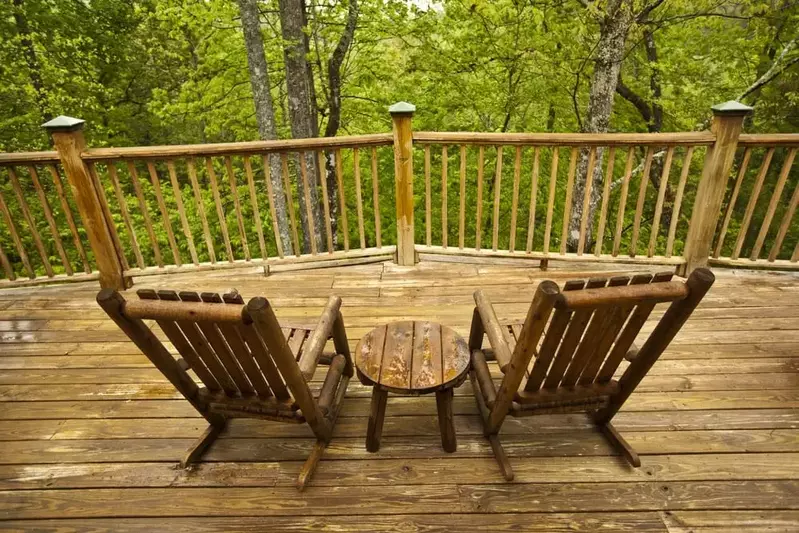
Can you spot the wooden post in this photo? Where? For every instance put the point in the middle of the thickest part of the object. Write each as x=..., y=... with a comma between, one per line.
x=68, y=139
x=727, y=123
x=401, y=114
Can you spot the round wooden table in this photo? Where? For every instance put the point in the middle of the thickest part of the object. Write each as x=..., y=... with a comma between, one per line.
x=412, y=358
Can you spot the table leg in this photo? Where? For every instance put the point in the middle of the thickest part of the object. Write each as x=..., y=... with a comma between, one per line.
x=446, y=422
x=376, y=415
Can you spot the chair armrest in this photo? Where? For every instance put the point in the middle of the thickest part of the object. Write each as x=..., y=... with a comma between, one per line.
x=312, y=350
x=493, y=329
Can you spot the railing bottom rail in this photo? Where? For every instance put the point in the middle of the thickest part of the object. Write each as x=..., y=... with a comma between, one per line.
x=426, y=251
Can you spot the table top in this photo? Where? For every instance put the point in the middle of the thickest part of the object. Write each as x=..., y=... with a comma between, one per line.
x=412, y=357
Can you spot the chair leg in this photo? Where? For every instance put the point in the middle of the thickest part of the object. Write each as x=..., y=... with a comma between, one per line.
x=310, y=464
x=502, y=459
x=201, y=445
x=493, y=438
x=618, y=442
x=309, y=467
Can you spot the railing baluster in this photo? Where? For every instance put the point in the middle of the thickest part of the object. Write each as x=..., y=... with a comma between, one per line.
x=553, y=182
x=428, y=231
x=567, y=204
x=479, y=222
x=772, y=207
x=603, y=211
x=589, y=183
x=23, y=204
x=220, y=213
x=375, y=199
x=48, y=215
x=784, y=225
x=7, y=268
x=271, y=199
x=237, y=207
x=733, y=198
x=664, y=179
x=462, y=208
x=12, y=229
x=284, y=165
x=497, y=191
x=62, y=197
x=675, y=212
x=625, y=187
x=164, y=213
x=134, y=178
x=533, y=200
x=342, y=200
x=306, y=192
x=109, y=219
x=325, y=201
x=444, y=171
x=173, y=178
x=750, y=207
x=517, y=170
x=356, y=163
x=123, y=208
x=639, y=208
x=209, y=242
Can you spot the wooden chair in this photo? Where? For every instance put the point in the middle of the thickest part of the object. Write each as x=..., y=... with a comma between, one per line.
x=249, y=367
x=592, y=329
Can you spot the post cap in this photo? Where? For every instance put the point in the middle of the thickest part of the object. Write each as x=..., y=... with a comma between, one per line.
x=731, y=107
x=401, y=108
x=63, y=123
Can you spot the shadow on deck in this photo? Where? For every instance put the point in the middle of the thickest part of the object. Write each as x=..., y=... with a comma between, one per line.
x=716, y=422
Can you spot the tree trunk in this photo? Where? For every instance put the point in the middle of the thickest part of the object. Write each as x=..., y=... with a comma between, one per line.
x=264, y=109
x=302, y=110
x=609, y=55
x=334, y=105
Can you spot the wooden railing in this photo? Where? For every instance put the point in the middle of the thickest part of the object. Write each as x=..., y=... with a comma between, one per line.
x=669, y=198
x=214, y=206
x=510, y=184
x=43, y=240
x=766, y=187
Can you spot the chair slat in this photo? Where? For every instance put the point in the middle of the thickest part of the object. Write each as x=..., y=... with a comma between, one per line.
x=261, y=355
x=182, y=345
x=588, y=347
x=628, y=335
x=571, y=340
x=195, y=337
x=240, y=351
x=215, y=343
x=608, y=336
x=552, y=338
x=296, y=341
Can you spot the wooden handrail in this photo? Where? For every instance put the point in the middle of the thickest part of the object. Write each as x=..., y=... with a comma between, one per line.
x=703, y=138
x=237, y=148
x=13, y=158
x=768, y=139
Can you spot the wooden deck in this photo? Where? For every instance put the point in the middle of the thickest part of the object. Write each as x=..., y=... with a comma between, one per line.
x=92, y=433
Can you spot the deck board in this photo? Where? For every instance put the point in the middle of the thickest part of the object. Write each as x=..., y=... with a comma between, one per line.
x=716, y=422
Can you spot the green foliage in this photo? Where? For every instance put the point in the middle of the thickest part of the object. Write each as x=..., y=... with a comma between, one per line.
x=150, y=72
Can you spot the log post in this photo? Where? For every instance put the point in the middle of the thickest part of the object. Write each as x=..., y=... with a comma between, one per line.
x=67, y=134
x=401, y=114
x=727, y=123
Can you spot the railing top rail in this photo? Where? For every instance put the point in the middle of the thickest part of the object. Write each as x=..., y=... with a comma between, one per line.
x=17, y=158
x=703, y=138
x=769, y=139
x=237, y=148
